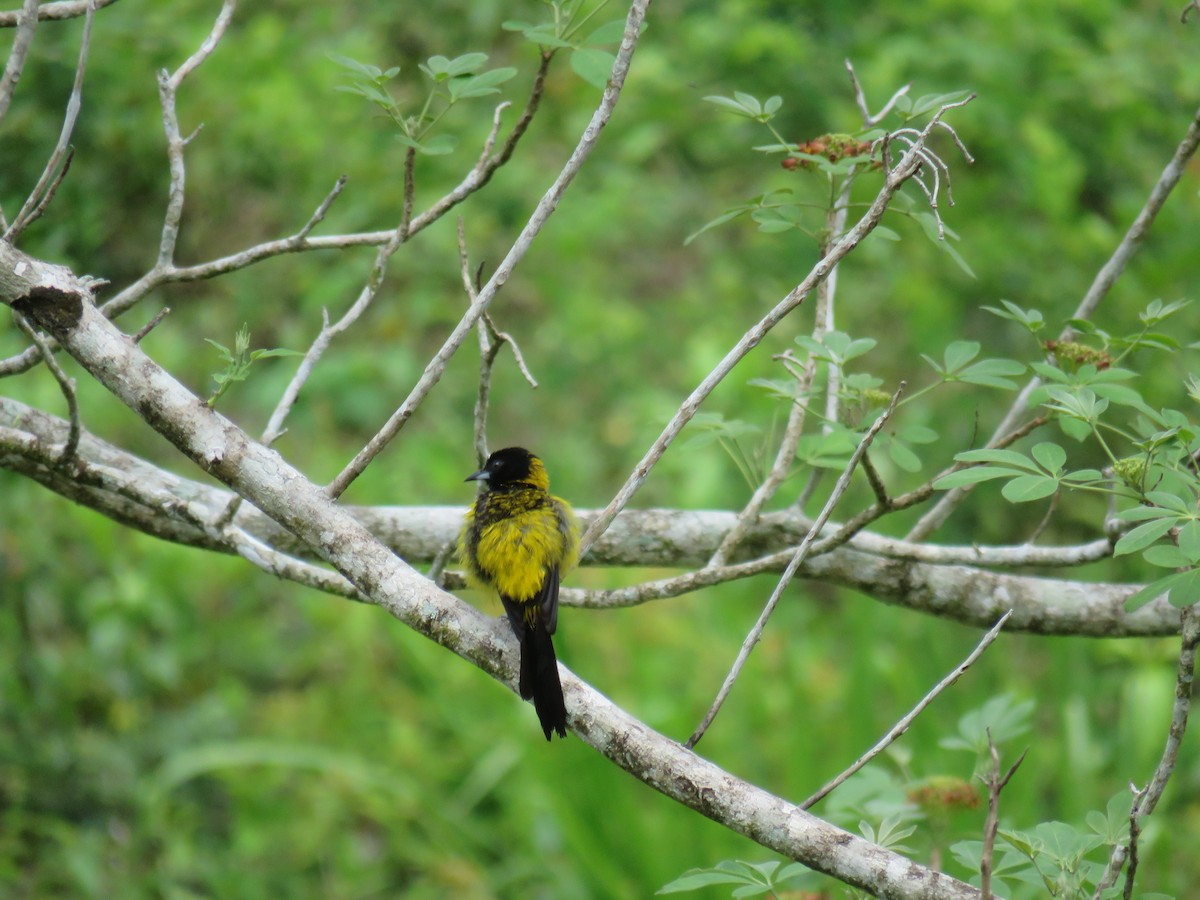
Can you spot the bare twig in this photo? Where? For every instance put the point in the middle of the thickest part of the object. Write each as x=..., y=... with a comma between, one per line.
x=60, y=10
x=995, y=784
x=1101, y=285
x=860, y=98
x=903, y=725
x=1146, y=800
x=168, y=87
x=151, y=325
x=545, y=208
x=1135, y=832
x=65, y=383
x=410, y=189
x=905, y=169
x=797, y=560
x=319, y=215
x=46, y=198
x=26, y=20
x=56, y=169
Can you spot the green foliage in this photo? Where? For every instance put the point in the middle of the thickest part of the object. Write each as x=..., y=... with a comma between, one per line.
x=238, y=361
x=565, y=31
x=453, y=80
x=1151, y=470
x=752, y=879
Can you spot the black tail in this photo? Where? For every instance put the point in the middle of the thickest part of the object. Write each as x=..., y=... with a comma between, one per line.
x=539, y=678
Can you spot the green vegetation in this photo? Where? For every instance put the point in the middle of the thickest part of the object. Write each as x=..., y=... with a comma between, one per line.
x=178, y=724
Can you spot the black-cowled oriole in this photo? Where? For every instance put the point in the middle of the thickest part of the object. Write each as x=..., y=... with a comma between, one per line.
x=518, y=540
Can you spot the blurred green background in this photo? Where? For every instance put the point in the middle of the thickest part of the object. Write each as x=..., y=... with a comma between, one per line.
x=174, y=724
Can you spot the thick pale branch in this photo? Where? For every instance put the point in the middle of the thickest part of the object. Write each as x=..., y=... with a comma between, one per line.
x=261, y=476
x=921, y=577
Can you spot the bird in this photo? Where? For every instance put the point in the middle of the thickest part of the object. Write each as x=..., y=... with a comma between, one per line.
x=518, y=540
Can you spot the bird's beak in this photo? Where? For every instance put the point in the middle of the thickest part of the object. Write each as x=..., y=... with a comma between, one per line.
x=481, y=475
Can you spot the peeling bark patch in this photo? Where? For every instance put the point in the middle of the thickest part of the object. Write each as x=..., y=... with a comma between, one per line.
x=55, y=311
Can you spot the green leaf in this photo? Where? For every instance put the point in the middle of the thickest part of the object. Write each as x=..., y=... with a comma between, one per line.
x=904, y=457
x=992, y=373
x=1189, y=541
x=543, y=35
x=353, y=65
x=1050, y=456
x=974, y=475
x=483, y=84
x=593, y=66
x=772, y=106
x=694, y=879
x=748, y=102
x=1143, y=536
x=1152, y=591
x=438, y=145
x=917, y=434
x=732, y=105
x=1029, y=487
x=1186, y=589
x=608, y=33
x=1003, y=457
x=959, y=354
x=1166, y=556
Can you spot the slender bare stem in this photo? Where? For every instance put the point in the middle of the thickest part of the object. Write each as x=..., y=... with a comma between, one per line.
x=151, y=325
x=1146, y=800
x=860, y=99
x=65, y=383
x=995, y=784
x=56, y=169
x=789, y=573
x=903, y=725
x=26, y=20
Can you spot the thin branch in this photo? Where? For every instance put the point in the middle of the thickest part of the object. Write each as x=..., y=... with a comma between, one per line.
x=1135, y=832
x=57, y=11
x=797, y=560
x=168, y=87
x=151, y=325
x=545, y=208
x=26, y=20
x=780, y=469
x=995, y=784
x=905, y=169
x=903, y=725
x=66, y=384
x=1101, y=285
x=56, y=169
x=319, y=216
x=1146, y=800
x=410, y=189
x=860, y=99
x=46, y=199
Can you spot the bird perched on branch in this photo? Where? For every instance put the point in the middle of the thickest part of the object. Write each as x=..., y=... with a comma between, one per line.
x=518, y=540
